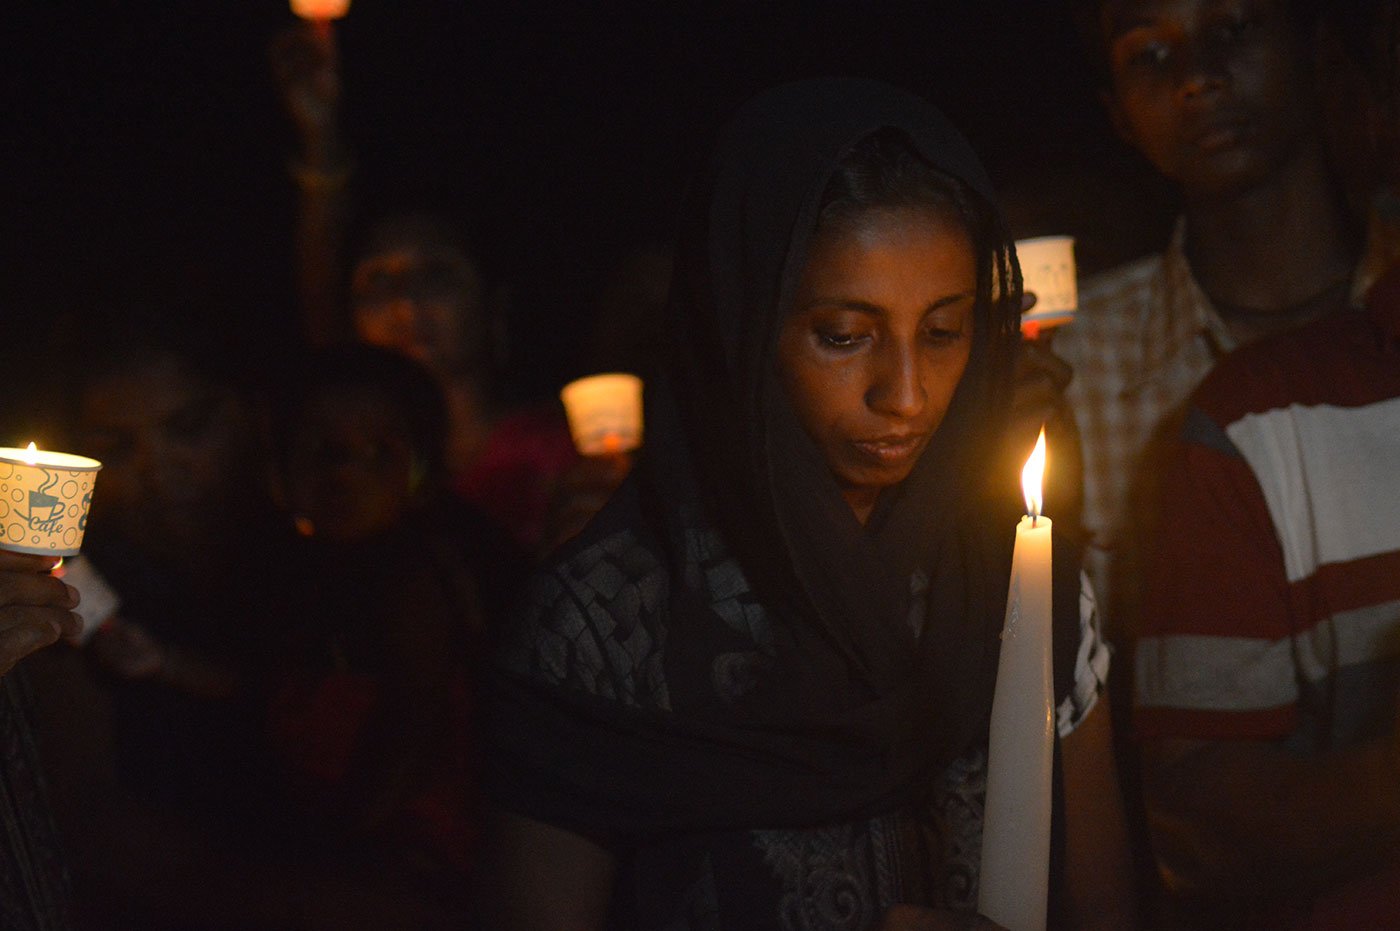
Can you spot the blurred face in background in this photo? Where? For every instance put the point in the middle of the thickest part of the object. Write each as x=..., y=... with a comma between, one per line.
x=175, y=450
x=1215, y=93
x=423, y=299
x=350, y=471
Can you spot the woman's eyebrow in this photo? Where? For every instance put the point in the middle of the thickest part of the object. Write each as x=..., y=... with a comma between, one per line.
x=957, y=298
x=846, y=303
x=865, y=307
x=1125, y=23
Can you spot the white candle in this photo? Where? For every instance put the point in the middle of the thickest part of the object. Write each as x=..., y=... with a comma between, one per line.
x=44, y=500
x=1015, y=875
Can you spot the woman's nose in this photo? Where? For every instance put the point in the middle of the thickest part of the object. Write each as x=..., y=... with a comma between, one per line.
x=898, y=386
x=1203, y=69
x=402, y=313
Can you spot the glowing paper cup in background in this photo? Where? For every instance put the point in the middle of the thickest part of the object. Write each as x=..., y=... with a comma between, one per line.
x=320, y=9
x=1047, y=269
x=605, y=413
x=44, y=500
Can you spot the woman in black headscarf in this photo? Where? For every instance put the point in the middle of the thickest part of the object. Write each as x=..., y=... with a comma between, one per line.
x=755, y=691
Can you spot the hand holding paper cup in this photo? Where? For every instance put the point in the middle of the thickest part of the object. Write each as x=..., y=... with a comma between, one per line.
x=1047, y=270
x=605, y=413
x=97, y=602
x=43, y=512
x=44, y=499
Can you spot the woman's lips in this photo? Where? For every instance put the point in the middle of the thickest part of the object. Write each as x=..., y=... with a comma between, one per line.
x=890, y=450
x=1219, y=136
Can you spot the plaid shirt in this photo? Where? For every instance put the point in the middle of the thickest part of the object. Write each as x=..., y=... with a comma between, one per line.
x=1143, y=338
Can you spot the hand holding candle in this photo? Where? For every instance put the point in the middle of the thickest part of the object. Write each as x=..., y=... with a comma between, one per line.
x=44, y=500
x=1014, y=879
x=35, y=607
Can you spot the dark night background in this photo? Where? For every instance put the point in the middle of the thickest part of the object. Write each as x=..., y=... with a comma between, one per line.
x=145, y=149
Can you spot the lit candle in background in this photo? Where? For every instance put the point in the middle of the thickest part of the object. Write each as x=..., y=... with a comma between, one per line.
x=1015, y=875
x=320, y=10
x=1048, y=272
x=605, y=413
x=44, y=499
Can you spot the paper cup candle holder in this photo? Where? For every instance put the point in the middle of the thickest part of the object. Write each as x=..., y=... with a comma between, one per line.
x=605, y=413
x=1047, y=270
x=44, y=499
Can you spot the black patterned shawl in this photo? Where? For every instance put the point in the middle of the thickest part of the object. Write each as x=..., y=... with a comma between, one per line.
x=725, y=646
x=34, y=885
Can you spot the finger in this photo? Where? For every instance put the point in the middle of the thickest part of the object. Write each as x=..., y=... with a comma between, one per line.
x=70, y=625
x=36, y=590
x=22, y=637
x=26, y=562
x=1028, y=300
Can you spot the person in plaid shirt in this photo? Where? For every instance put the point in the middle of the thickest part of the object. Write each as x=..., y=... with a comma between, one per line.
x=1221, y=98
x=1269, y=659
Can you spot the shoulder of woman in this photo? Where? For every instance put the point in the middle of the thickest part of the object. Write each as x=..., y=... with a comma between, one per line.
x=593, y=618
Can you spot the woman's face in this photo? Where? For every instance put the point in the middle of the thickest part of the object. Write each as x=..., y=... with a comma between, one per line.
x=876, y=342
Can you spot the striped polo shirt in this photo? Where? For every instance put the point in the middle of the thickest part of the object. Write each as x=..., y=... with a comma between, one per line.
x=1272, y=607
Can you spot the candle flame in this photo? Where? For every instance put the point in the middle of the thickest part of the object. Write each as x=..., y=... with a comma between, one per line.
x=1033, y=477
x=32, y=458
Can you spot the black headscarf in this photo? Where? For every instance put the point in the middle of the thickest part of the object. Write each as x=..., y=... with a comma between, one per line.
x=848, y=709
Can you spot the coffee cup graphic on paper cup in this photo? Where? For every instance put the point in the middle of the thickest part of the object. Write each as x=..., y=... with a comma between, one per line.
x=605, y=413
x=44, y=498
x=1047, y=270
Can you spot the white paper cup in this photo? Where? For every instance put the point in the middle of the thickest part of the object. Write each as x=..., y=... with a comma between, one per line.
x=44, y=499
x=605, y=413
x=1047, y=269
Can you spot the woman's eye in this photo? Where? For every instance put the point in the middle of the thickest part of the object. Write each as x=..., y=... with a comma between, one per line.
x=1149, y=56
x=1141, y=50
x=838, y=340
x=941, y=335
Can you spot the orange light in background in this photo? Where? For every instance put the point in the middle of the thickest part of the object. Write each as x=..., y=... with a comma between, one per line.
x=605, y=413
x=320, y=10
